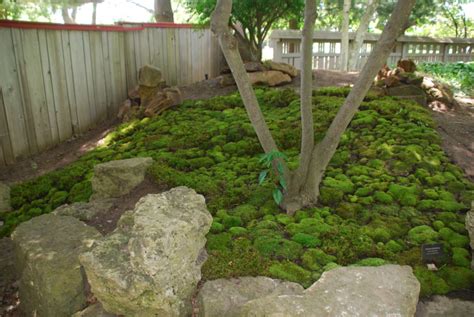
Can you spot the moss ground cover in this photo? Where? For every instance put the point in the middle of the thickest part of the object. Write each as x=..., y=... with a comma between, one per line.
x=388, y=189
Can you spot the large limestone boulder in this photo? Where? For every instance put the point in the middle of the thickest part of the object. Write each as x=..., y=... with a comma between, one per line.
x=282, y=67
x=4, y=198
x=149, y=76
x=225, y=297
x=117, y=178
x=46, y=257
x=86, y=211
x=470, y=229
x=151, y=264
x=389, y=290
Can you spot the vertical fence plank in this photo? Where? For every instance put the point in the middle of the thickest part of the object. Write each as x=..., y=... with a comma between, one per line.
x=98, y=75
x=36, y=98
x=80, y=80
x=48, y=88
x=12, y=109
x=59, y=85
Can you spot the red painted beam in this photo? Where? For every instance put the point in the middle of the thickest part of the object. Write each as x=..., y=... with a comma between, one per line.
x=122, y=27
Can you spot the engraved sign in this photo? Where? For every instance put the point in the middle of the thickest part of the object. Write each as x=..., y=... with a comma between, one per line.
x=432, y=252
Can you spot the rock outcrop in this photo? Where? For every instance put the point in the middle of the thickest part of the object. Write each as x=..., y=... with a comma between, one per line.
x=4, y=198
x=151, y=264
x=46, y=257
x=269, y=74
x=389, y=290
x=85, y=211
x=225, y=297
x=151, y=97
x=117, y=178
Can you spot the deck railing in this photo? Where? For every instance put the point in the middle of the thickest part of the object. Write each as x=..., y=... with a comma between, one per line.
x=327, y=48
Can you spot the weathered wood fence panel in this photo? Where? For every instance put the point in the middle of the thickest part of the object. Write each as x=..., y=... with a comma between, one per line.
x=327, y=49
x=57, y=81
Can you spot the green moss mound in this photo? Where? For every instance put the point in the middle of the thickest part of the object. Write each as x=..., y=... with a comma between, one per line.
x=388, y=189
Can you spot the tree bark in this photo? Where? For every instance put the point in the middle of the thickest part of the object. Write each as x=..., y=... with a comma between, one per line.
x=361, y=33
x=345, y=35
x=94, y=13
x=67, y=18
x=293, y=199
x=163, y=11
x=324, y=150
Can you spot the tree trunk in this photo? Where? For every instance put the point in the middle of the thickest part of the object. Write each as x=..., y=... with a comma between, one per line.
x=292, y=25
x=163, y=11
x=294, y=198
x=324, y=150
x=303, y=185
x=345, y=35
x=361, y=33
x=66, y=17
x=94, y=13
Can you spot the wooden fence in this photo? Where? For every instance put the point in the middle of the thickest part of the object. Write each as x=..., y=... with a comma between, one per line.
x=327, y=46
x=57, y=81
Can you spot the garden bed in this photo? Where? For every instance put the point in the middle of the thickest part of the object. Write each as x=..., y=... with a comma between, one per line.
x=388, y=189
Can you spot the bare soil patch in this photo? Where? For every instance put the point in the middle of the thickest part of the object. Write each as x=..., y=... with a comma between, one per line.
x=457, y=132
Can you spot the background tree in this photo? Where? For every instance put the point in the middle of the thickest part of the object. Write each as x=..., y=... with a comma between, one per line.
x=302, y=185
x=361, y=33
x=344, y=58
x=251, y=20
x=163, y=11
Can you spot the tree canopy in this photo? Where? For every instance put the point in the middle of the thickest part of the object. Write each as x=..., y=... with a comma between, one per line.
x=251, y=19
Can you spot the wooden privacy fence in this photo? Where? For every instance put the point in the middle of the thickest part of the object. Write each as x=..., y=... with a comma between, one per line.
x=327, y=48
x=57, y=81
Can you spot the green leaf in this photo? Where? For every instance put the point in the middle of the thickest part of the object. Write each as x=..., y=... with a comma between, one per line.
x=277, y=196
x=262, y=176
x=280, y=168
x=282, y=182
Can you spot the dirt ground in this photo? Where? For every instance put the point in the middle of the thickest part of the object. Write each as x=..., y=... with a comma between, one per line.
x=457, y=131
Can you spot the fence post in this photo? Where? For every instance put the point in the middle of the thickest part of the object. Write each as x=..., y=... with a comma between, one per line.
x=277, y=46
x=445, y=52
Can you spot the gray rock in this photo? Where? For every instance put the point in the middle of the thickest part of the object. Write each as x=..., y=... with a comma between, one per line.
x=85, y=211
x=149, y=76
x=389, y=290
x=117, y=178
x=95, y=310
x=4, y=198
x=46, y=257
x=151, y=264
x=470, y=229
x=225, y=297
x=442, y=306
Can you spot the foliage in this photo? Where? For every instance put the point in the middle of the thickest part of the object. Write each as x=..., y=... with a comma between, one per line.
x=255, y=16
x=210, y=145
x=267, y=160
x=458, y=75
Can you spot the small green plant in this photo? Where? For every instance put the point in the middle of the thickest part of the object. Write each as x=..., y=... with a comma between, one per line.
x=280, y=184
